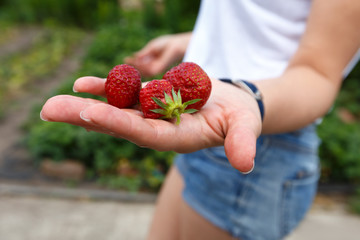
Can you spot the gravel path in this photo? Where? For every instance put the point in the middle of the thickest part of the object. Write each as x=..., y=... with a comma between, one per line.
x=26, y=217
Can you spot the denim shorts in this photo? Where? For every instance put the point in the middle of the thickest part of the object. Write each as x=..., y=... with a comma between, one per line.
x=266, y=204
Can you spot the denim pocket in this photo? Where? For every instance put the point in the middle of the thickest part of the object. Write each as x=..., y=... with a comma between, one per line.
x=298, y=194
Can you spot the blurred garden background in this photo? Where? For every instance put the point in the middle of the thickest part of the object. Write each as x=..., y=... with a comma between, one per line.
x=39, y=41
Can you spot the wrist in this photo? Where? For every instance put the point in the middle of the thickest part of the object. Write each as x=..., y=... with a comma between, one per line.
x=250, y=89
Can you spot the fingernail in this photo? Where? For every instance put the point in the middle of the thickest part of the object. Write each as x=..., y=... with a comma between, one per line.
x=74, y=90
x=43, y=118
x=250, y=169
x=84, y=117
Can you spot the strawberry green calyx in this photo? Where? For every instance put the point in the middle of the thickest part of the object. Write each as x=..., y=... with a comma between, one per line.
x=173, y=106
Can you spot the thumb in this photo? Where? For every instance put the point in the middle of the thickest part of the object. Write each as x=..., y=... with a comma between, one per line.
x=240, y=145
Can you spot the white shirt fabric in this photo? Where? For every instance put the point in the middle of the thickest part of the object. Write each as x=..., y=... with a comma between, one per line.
x=247, y=39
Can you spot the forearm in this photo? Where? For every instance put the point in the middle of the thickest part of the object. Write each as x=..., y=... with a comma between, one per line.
x=296, y=99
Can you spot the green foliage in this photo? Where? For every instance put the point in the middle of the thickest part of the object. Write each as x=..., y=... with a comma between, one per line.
x=83, y=13
x=180, y=15
x=173, y=15
x=8, y=31
x=114, y=42
x=339, y=151
x=152, y=15
x=349, y=97
x=146, y=174
x=355, y=202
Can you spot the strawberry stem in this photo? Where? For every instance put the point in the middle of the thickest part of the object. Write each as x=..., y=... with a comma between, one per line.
x=177, y=115
x=173, y=106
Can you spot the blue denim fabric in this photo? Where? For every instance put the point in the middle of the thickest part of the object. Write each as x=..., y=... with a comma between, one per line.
x=266, y=204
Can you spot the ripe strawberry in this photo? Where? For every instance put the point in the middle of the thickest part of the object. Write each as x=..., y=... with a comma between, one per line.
x=122, y=86
x=192, y=81
x=159, y=100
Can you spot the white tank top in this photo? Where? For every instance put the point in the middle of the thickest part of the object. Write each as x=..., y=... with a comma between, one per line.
x=247, y=39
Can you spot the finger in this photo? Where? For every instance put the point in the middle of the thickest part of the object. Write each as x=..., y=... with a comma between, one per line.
x=65, y=108
x=149, y=66
x=141, y=65
x=97, y=116
x=68, y=109
x=240, y=145
x=131, y=125
x=157, y=134
x=142, y=57
x=151, y=49
x=130, y=60
x=158, y=64
x=93, y=85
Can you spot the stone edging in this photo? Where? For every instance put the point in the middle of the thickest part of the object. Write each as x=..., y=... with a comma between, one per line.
x=10, y=189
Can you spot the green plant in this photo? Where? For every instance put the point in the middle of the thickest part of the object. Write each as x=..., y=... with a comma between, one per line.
x=339, y=151
x=173, y=15
x=354, y=203
x=180, y=15
x=8, y=31
x=83, y=13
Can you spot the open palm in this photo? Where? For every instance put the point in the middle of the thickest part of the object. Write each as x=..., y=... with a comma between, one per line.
x=229, y=118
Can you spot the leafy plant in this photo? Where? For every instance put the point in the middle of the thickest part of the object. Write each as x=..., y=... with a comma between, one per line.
x=82, y=13
x=172, y=15
x=355, y=202
x=339, y=151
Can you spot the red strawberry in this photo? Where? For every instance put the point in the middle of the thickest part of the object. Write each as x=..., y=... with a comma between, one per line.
x=122, y=86
x=155, y=88
x=192, y=81
x=159, y=100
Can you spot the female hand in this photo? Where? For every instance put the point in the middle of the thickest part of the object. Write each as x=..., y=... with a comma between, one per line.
x=159, y=54
x=230, y=118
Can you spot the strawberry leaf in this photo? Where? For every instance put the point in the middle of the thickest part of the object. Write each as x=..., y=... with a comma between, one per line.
x=191, y=102
x=159, y=111
x=168, y=99
x=190, y=111
x=175, y=97
x=179, y=97
x=159, y=102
